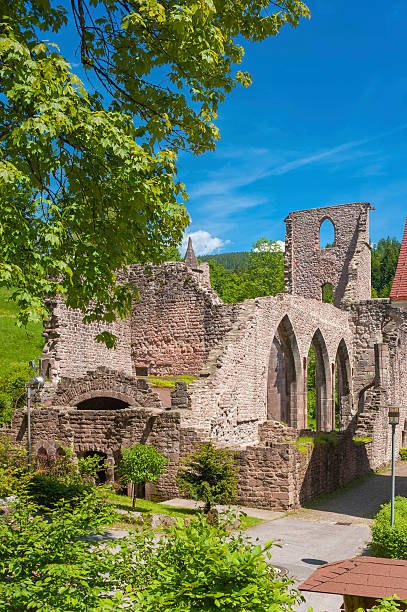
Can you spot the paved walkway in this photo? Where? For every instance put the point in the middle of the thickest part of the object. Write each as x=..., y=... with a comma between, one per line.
x=335, y=527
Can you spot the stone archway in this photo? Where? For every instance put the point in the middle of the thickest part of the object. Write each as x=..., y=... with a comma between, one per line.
x=102, y=476
x=285, y=398
x=342, y=387
x=325, y=408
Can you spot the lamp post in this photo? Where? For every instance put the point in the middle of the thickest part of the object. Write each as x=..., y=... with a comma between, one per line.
x=33, y=385
x=394, y=417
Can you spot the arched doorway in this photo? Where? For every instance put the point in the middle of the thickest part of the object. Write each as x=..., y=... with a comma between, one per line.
x=102, y=403
x=285, y=401
x=319, y=384
x=101, y=475
x=343, y=397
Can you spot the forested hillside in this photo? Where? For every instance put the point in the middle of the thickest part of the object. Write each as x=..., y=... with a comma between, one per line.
x=229, y=261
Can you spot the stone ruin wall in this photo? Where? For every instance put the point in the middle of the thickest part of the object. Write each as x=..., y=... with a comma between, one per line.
x=347, y=265
x=231, y=400
x=180, y=326
x=175, y=324
x=177, y=321
x=70, y=348
x=380, y=375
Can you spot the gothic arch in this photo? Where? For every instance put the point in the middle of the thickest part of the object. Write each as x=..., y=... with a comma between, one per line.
x=285, y=397
x=329, y=225
x=343, y=381
x=325, y=408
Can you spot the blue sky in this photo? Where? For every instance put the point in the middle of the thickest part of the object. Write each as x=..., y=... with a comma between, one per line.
x=324, y=122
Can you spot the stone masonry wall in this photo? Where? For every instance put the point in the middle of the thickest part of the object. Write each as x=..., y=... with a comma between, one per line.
x=71, y=349
x=380, y=373
x=346, y=265
x=177, y=320
x=231, y=400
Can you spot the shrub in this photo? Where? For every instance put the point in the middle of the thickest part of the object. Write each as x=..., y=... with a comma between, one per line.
x=391, y=542
x=141, y=464
x=403, y=454
x=49, y=564
x=204, y=568
x=388, y=604
x=209, y=475
x=47, y=490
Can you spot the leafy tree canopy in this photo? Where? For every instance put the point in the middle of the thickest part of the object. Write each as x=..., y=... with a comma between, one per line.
x=261, y=274
x=88, y=179
x=140, y=464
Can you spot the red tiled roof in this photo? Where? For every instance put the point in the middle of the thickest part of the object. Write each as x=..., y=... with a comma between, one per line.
x=399, y=288
x=363, y=576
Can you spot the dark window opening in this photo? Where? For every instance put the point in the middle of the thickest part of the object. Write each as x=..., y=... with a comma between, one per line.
x=326, y=235
x=141, y=371
x=102, y=403
x=328, y=293
x=101, y=476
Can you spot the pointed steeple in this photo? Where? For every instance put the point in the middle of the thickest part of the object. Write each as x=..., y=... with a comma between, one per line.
x=399, y=289
x=190, y=258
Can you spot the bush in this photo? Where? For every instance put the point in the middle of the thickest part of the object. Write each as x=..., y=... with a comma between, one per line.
x=209, y=475
x=49, y=564
x=204, y=568
x=403, y=454
x=46, y=490
x=387, y=542
x=388, y=604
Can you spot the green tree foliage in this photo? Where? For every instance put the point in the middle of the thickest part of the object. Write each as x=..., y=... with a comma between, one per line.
x=199, y=568
x=88, y=181
x=50, y=564
x=388, y=604
x=229, y=261
x=209, y=475
x=391, y=542
x=262, y=274
x=140, y=464
x=311, y=390
x=384, y=263
x=12, y=390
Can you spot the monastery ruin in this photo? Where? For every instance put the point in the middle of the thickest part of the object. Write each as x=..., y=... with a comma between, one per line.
x=249, y=362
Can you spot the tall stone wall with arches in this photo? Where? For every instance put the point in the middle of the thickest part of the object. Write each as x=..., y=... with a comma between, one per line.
x=252, y=366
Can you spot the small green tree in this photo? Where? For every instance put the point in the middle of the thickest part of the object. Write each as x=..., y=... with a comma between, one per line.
x=209, y=475
x=141, y=464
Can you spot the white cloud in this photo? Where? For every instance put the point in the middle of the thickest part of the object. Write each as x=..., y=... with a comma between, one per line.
x=203, y=242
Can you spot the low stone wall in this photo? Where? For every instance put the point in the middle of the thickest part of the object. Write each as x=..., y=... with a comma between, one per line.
x=274, y=474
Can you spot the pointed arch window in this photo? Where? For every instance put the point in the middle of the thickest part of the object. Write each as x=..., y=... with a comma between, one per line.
x=327, y=235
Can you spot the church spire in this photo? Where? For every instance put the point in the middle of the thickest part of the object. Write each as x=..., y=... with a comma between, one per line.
x=399, y=289
x=190, y=258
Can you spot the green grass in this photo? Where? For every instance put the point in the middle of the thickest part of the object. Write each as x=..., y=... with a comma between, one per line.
x=322, y=438
x=123, y=502
x=169, y=382
x=18, y=345
x=362, y=439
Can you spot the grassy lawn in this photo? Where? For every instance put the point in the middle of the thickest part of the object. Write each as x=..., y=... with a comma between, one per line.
x=123, y=502
x=18, y=345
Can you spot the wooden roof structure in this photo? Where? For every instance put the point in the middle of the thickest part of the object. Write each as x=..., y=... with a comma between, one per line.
x=399, y=288
x=364, y=579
